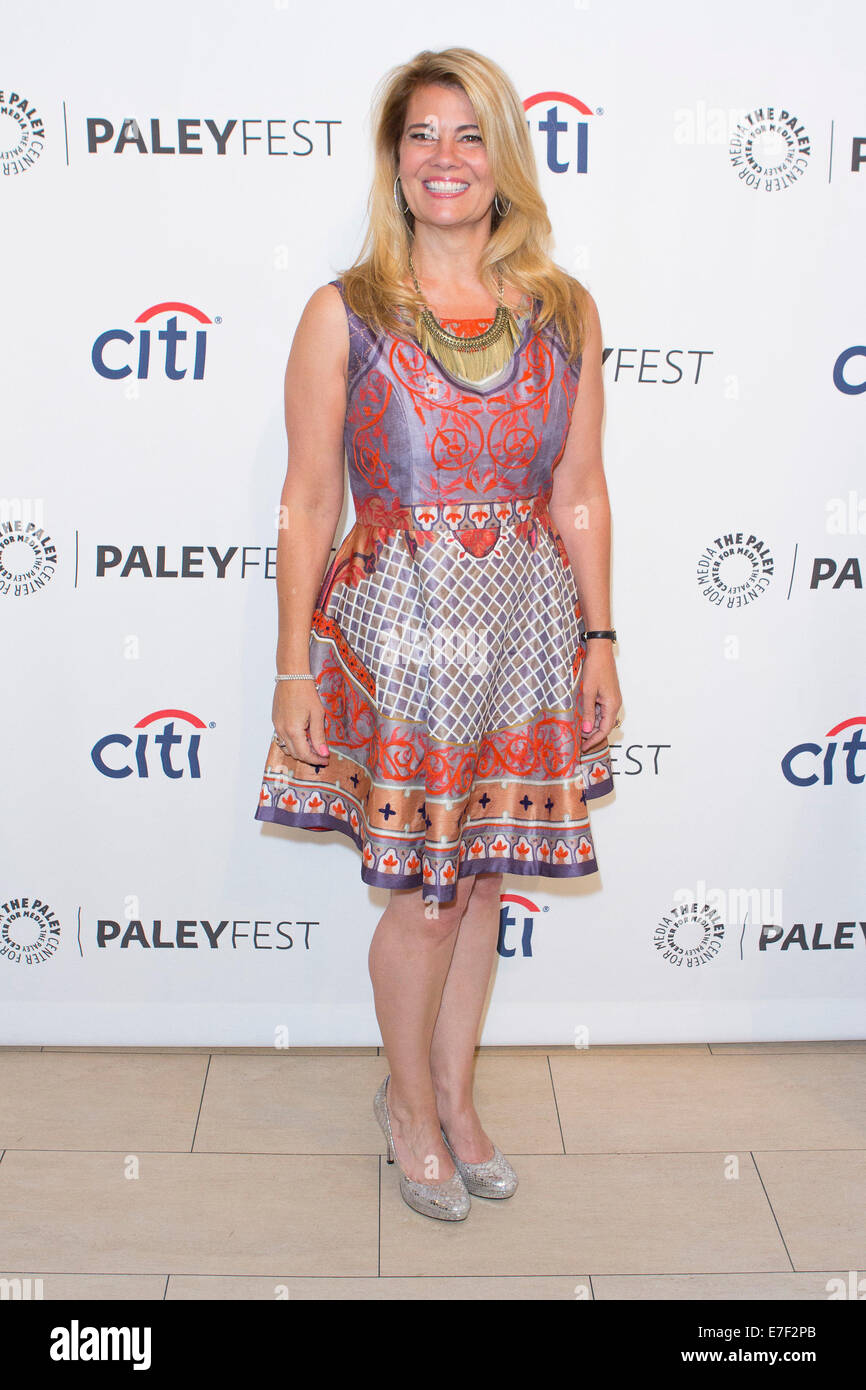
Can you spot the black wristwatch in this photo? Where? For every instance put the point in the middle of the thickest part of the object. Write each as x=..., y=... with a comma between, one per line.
x=609, y=632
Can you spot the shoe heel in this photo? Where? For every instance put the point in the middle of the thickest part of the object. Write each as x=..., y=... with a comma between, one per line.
x=380, y=1109
x=448, y=1201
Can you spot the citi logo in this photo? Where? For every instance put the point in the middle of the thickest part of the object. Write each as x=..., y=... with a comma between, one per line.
x=169, y=348
x=516, y=920
x=848, y=370
x=156, y=748
x=807, y=764
x=561, y=119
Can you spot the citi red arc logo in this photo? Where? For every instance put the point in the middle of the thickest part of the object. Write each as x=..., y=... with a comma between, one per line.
x=567, y=135
x=516, y=915
x=154, y=746
x=816, y=764
x=184, y=348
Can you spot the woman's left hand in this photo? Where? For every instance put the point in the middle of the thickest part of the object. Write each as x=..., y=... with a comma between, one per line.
x=601, y=693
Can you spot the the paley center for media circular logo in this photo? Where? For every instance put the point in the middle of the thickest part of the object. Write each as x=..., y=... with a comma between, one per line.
x=735, y=568
x=29, y=931
x=769, y=149
x=691, y=934
x=22, y=135
x=28, y=555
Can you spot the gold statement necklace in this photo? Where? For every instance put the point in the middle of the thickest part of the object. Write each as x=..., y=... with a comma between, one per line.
x=474, y=357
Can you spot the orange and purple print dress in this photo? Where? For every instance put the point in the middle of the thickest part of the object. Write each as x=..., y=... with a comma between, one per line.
x=447, y=639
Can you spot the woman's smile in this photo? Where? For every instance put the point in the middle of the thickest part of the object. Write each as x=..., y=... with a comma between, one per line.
x=444, y=188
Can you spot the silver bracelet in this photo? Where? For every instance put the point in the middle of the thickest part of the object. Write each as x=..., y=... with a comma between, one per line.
x=296, y=676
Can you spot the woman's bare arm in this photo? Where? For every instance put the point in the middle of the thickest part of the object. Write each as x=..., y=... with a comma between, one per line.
x=579, y=505
x=312, y=497
x=580, y=510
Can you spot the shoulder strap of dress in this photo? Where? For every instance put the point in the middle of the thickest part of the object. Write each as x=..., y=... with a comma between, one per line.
x=362, y=341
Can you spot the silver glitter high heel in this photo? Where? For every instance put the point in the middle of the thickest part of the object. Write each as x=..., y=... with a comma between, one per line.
x=445, y=1201
x=494, y=1177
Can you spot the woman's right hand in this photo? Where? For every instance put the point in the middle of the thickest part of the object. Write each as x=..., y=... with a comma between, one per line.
x=299, y=720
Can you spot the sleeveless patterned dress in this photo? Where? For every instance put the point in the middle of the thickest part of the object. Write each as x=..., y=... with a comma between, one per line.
x=447, y=638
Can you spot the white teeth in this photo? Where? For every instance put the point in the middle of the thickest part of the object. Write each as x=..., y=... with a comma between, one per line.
x=440, y=187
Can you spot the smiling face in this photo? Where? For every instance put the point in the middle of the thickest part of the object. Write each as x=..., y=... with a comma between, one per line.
x=443, y=161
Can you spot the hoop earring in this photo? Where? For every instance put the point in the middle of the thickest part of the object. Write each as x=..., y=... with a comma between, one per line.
x=404, y=210
x=502, y=211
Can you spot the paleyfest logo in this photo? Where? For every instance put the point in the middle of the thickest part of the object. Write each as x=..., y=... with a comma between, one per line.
x=22, y=136
x=692, y=932
x=770, y=149
x=734, y=569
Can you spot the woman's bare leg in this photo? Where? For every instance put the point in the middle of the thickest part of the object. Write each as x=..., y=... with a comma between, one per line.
x=452, y=1054
x=409, y=959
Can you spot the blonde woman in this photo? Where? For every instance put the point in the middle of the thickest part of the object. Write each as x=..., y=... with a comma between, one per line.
x=444, y=693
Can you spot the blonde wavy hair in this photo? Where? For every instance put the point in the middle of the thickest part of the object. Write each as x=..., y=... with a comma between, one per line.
x=519, y=242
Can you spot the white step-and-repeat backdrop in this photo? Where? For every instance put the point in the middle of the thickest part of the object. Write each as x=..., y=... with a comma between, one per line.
x=173, y=190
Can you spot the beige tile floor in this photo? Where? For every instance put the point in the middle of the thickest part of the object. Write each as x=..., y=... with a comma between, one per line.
x=698, y=1171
